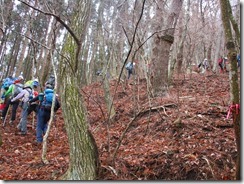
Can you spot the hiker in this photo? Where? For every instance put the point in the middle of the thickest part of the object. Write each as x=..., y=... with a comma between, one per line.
x=34, y=85
x=44, y=111
x=130, y=67
x=24, y=96
x=13, y=91
x=204, y=64
x=238, y=60
x=5, y=85
x=222, y=64
x=51, y=81
x=99, y=72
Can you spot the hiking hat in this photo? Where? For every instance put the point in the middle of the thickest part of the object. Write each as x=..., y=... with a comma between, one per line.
x=35, y=83
x=48, y=86
x=20, y=77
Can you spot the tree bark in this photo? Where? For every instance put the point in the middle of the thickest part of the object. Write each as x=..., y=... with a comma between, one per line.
x=84, y=161
x=161, y=51
x=234, y=87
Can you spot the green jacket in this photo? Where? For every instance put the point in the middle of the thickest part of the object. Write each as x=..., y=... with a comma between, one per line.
x=11, y=90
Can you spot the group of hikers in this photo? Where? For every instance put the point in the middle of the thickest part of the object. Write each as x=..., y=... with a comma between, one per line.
x=222, y=63
x=16, y=92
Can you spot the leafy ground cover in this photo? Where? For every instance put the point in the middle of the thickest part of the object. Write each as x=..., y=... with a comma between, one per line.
x=182, y=136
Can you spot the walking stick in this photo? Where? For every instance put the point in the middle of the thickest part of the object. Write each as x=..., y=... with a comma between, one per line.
x=33, y=120
x=5, y=118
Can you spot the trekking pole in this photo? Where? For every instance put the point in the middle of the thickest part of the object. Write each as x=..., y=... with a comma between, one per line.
x=33, y=120
x=5, y=118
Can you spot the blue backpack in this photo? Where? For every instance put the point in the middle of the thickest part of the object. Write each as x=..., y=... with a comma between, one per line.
x=7, y=82
x=129, y=66
x=48, y=99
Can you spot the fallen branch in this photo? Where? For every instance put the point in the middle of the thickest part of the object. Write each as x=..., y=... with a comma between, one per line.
x=209, y=166
x=224, y=126
x=137, y=115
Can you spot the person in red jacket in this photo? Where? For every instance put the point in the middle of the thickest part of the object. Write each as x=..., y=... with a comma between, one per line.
x=220, y=63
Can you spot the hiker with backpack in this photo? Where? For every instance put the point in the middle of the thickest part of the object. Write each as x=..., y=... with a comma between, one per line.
x=24, y=96
x=238, y=60
x=13, y=91
x=34, y=105
x=130, y=67
x=222, y=65
x=44, y=111
x=32, y=83
x=204, y=64
x=5, y=85
x=51, y=81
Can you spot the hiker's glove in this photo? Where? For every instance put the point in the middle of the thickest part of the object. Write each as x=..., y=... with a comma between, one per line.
x=2, y=97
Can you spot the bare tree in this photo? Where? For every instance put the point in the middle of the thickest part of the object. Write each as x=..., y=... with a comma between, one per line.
x=161, y=49
x=83, y=151
x=234, y=87
x=84, y=161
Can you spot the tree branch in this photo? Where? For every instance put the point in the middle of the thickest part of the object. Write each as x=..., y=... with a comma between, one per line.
x=57, y=18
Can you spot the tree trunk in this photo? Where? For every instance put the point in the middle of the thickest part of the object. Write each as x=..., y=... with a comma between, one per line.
x=234, y=88
x=217, y=54
x=234, y=24
x=23, y=60
x=84, y=161
x=161, y=51
x=83, y=151
x=13, y=57
x=43, y=60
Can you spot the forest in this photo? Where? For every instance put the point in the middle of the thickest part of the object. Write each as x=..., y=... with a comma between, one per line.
x=149, y=89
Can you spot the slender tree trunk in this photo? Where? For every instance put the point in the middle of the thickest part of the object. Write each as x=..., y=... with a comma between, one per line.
x=23, y=61
x=234, y=24
x=234, y=87
x=13, y=57
x=44, y=58
x=218, y=45
x=84, y=161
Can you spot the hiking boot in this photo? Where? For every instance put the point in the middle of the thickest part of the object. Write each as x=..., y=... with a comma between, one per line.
x=36, y=143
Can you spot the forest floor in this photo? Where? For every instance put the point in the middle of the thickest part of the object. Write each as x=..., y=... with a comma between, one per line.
x=182, y=136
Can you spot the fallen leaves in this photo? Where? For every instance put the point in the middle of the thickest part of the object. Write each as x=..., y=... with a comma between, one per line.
x=153, y=147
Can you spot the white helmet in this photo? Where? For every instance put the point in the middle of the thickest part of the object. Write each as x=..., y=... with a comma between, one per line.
x=35, y=80
x=21, y=77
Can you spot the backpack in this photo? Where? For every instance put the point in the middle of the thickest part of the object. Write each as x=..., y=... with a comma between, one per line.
x=17, y=89
x=129, y=66
x=31, y=96
x=29, y=83
x=7, y=82
x=48, y=99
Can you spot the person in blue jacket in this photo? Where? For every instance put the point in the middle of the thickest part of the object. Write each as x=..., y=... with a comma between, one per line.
x=44, y=112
